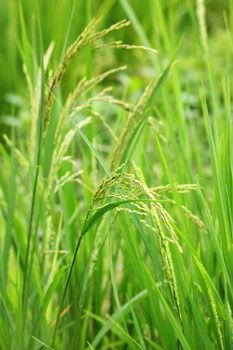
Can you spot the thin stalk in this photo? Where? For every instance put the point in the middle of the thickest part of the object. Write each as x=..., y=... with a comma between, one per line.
x=35, y=183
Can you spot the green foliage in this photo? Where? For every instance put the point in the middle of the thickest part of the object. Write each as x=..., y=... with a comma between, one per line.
x=116, y=193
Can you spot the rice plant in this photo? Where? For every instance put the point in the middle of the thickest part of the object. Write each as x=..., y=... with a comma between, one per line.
x=116, y=178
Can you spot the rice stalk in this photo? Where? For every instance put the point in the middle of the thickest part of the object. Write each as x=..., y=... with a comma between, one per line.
x=202, y=23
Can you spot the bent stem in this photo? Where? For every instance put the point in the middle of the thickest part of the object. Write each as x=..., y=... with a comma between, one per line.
x=69, y=277
x=66, y=287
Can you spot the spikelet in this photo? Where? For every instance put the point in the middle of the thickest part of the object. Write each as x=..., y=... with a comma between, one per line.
x=29, y=83
x=34, y=106
x=184, y=188
x=48, y=55
x=34, y=94
x=195, y=219
x=66, y=109
x=121, y=45
x=59, y=156
x=20, y=156
x=48, y=239
x=60, y=152
x=216, y=319
x=110, y=99
x=87, y=37
x=157, y=125
x=230, y=318
x=134, y=118
x=133, y=211
x=90, y=84
x=114, y=27
x=57, y=159
x=66, y=178
x=82, y=40
x=105, y=124
x=83, y=87
x=168, y=264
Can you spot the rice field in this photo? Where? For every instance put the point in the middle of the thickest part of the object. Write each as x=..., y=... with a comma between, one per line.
x=116, y=178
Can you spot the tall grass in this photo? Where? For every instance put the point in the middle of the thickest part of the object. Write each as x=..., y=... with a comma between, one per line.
x=116, y=190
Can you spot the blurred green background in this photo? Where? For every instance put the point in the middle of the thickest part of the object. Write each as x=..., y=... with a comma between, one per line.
x=63, y=20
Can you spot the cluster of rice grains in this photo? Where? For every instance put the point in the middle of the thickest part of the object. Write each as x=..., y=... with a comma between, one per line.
x=144, y=205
